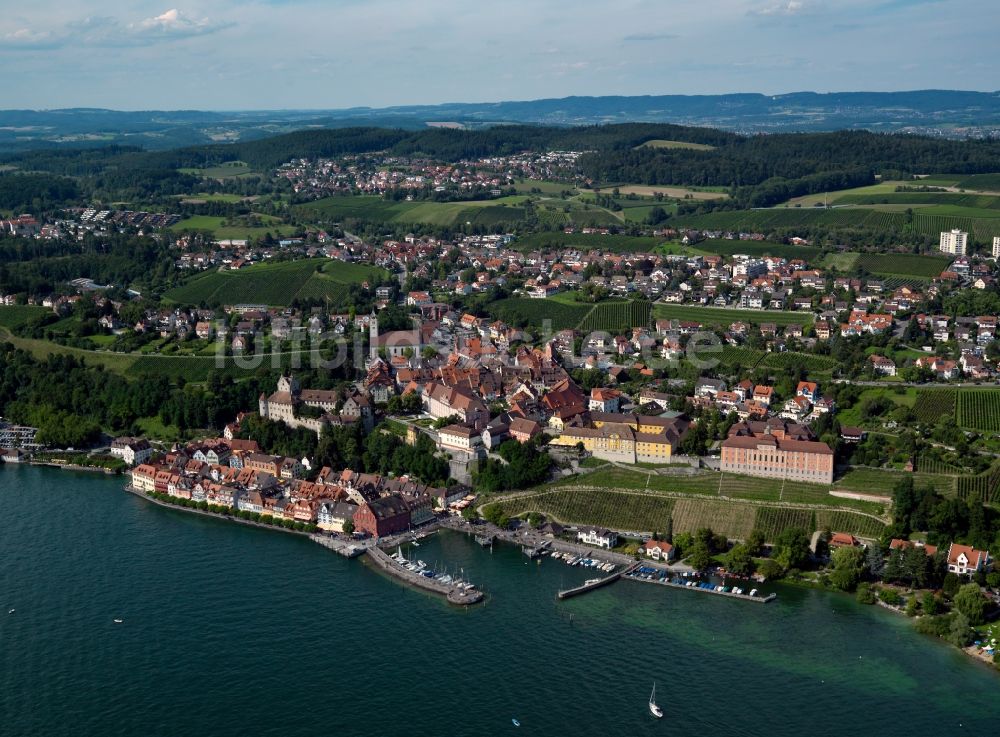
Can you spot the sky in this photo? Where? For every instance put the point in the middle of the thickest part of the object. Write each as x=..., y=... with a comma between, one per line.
x=326, y=54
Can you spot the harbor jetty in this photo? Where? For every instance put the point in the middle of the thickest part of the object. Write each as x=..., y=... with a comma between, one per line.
x=595, y=583
x=455, y=594
x=655, y=576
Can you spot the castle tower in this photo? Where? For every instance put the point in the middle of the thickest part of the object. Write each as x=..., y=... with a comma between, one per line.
x=373, y=336
x=262, y=405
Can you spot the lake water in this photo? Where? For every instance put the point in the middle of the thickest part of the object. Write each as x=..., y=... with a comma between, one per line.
x=236, y=631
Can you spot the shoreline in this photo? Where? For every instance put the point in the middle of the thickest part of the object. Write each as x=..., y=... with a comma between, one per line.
x=214, y=515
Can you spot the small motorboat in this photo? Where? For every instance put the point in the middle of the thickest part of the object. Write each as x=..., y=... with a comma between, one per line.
x=655, y=710
x=515, y=722
x=119, y=621
x=10, y=612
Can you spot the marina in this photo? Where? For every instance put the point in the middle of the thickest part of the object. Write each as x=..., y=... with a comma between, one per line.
x=646, y=574
x=416, y=573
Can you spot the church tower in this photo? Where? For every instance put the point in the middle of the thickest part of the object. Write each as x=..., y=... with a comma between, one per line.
x=372, y=336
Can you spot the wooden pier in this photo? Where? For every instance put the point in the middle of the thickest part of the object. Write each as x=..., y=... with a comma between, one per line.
x=695, y=587
x=569, y=593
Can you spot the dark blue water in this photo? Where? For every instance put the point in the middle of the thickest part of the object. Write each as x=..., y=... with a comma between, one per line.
x=234, y=631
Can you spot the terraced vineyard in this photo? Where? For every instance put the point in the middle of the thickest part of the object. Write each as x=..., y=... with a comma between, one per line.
x=14, y=316
x=732, y=356
x=984, y=487
x=932, y=404
x=902, y=264
x=649, y=512
x=979, y=409
x=813, y=363
x=616, y=317
x=274, y=283
x=617, y=509
x=522, y=311
x=869, y=217
x=726, y=316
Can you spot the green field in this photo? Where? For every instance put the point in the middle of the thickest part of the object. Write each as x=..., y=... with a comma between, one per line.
x=661, y=143
x=227, y=170
x=986, y=182
x=192, y=368
x=376, y=209
x=585, y=242
x=981, y=224
x=726, y=316
x=727, y=247
x=222, y=231
x=275, y=284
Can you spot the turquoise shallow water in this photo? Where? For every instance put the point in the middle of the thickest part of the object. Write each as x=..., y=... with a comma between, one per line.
x=234, y=631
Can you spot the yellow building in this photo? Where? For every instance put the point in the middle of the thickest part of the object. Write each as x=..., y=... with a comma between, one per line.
x=637, y=439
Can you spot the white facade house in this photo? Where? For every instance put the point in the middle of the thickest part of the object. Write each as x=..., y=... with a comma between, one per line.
x=597, y=536
x=954, y=242
x=965, y=560
x=134, y=451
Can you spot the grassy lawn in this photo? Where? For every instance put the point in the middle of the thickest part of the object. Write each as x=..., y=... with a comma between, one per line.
x=851, y=416
x=153, y=427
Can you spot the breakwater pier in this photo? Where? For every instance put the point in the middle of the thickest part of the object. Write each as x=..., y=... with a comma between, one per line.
x=459, y=593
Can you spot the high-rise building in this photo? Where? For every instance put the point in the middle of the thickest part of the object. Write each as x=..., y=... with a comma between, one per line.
x=953, y=242
x=996, y=246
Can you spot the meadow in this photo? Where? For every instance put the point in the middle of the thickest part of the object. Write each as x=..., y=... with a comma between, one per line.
x=226, y=170
x=221, y=231
x=661, y=143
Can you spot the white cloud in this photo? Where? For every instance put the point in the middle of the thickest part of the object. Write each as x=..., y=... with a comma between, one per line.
x=174, y=24
x=784, y=7
x=108, y=31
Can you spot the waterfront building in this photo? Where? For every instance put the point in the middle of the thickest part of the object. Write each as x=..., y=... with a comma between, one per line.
x=598, y=536
x=133, y=451
x=658, y=550
x=383, y=516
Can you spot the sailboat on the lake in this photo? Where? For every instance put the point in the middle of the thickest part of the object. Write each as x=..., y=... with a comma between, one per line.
x=653, y=708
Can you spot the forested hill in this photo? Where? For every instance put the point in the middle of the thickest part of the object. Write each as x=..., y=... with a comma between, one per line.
x=951, y=113
x=759, y=169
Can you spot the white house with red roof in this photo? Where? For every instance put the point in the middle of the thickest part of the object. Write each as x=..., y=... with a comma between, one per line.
x=658, y=550
x=966, y=560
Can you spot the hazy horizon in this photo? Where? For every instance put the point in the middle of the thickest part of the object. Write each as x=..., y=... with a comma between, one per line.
x=223, y=55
